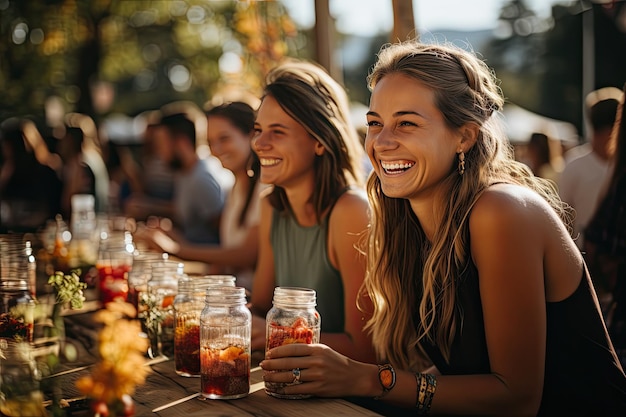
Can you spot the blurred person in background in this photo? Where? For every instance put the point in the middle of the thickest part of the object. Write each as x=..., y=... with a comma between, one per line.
x=124, y=174
x=30, y=189
x=541, y=158
x=316, y=210
x=229, y=132
x=605, y=237
x=585, y=174
x=154, y=197
x=198, y=197
x=78, y=177
x=84, y=170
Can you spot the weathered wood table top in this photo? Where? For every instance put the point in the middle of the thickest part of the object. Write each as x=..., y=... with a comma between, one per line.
x=164, y=387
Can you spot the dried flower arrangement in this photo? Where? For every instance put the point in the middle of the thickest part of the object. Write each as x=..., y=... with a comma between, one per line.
x=68, y=290
x=121, y=366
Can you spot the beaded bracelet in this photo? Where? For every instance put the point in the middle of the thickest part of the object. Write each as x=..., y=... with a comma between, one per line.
x=426, y=386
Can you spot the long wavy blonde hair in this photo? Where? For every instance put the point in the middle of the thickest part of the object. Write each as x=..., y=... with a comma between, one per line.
x=411, y=280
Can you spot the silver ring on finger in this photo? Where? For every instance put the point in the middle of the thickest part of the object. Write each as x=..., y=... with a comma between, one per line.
x=296, y=375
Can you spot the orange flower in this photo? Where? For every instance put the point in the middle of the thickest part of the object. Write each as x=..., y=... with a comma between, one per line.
x=121, y=349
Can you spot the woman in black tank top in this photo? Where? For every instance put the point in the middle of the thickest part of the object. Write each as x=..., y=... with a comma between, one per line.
x=482, y=303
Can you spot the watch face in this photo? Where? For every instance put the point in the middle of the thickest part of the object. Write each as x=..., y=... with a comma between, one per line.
x=386, y=378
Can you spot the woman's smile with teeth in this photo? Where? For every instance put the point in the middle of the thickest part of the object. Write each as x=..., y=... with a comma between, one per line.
x=267, y=162
x=396, y=166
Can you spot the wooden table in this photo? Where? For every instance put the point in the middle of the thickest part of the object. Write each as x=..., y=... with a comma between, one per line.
x=257, y=403
x=167, y=394
x=163, y=386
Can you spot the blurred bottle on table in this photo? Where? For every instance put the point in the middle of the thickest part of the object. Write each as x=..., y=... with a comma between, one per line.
x=115, y=261
x=20, y=393
x=54, y=255
x=83, y=219
x=159, y=305
x=83, y=226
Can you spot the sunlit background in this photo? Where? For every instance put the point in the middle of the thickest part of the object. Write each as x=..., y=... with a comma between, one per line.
x=369, y=17
x=106, y=58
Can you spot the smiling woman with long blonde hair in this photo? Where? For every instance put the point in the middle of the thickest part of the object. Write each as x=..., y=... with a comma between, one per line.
x=471, y=266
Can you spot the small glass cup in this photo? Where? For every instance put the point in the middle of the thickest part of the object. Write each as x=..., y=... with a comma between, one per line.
x=17, y=310
x=17, y=256
x=140, y=274
x=20, y=393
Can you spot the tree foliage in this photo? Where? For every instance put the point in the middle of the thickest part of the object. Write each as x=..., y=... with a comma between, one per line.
x=540, y=63
x=561, y=93
x=151, y=52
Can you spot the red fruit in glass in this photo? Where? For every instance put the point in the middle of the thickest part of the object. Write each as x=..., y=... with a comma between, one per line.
x=113, y=282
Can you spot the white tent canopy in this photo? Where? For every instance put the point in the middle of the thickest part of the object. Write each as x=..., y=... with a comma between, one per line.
x=520, y=124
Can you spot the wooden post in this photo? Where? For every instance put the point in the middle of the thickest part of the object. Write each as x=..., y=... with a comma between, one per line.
x=325, y=39
x=403, y=21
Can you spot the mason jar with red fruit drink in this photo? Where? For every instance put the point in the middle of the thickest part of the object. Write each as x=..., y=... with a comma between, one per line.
x=17, y=310
x=115, y=260
x=292, y=319
x=225, y=339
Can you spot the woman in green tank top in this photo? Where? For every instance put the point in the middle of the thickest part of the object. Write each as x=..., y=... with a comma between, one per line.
x=315, y=215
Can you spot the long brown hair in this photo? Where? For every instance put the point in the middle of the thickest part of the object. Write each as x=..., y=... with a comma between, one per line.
x=309, y=95
x=242, y=116
x=411, y=280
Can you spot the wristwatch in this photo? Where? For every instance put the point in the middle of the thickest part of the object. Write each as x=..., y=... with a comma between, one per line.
x=386, y=378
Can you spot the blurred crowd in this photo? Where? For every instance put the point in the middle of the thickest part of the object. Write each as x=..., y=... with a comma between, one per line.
x=42, y=165
x=141, y=168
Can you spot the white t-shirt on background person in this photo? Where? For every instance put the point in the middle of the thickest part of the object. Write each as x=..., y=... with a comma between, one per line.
x=580, y=185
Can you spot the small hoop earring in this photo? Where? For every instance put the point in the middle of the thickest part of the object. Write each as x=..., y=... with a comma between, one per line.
x=461, y=166
x=249, y=170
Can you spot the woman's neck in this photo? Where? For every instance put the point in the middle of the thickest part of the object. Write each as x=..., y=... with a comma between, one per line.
x=300, y=201
x=241, y=177
x=428, y=211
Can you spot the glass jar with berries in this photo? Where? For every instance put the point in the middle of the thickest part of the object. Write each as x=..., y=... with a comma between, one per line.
x=17, y=310
x=292, y=319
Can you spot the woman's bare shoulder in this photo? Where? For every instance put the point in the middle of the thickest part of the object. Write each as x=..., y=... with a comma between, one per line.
x=351, y=210
x=351, y=203
x=508, y=211
x=510, y=202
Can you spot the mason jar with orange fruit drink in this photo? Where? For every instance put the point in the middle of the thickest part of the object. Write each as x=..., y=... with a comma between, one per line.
x=225, y=339
x=188, y=306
